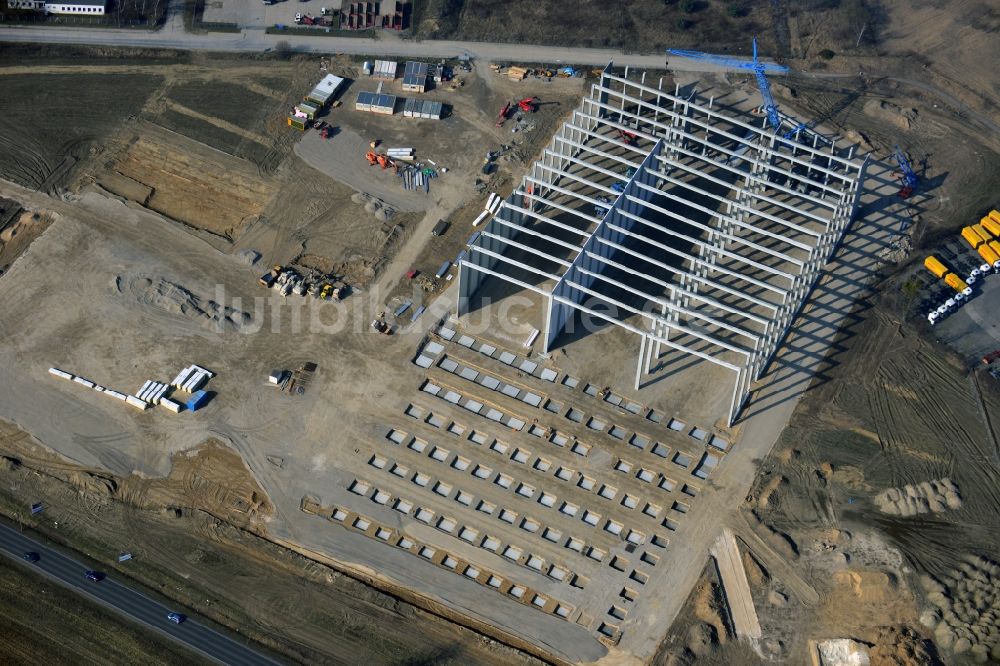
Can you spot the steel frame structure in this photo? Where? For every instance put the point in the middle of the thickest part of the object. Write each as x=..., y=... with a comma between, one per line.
x=717, y=231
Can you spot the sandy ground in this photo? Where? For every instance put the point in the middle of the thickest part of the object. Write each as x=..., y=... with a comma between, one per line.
x=813, y=533
x=247, y=415
x=194, y=539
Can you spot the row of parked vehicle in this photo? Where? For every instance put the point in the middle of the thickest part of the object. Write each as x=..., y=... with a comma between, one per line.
x=290, y=281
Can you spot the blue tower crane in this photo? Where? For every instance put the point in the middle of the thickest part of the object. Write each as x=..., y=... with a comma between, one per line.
x=907, y=176
x=760, y=69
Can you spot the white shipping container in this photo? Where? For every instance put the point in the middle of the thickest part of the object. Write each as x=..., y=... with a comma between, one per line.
x=84, y=382
x=155, y=398
x=175, y=407
x=182, y=377
x=153, y=386
x=115, y=394
x=60, y=373
x=135, y=402
x=196, y=381
x=479, y=220
x=149, y=382
x=207, y=372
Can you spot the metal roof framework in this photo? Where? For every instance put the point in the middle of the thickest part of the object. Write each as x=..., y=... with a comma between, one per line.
x=700, y=230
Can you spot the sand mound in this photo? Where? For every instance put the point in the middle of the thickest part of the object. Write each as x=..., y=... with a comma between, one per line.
x=173, y=299
x=965, y=608
x=890, y=113
x=912, y=499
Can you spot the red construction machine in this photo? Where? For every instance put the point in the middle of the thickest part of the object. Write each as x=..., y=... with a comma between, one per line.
x=528, y=104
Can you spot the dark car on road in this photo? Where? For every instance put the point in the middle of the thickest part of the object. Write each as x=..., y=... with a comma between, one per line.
x=95, y=576
x=31, y=556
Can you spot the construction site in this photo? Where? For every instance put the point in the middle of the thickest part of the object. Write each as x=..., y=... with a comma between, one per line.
x=461, y=362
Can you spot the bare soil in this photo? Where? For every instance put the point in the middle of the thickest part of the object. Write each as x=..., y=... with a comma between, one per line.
x=194, y=539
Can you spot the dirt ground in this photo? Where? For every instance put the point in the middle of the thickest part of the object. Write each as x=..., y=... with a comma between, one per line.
x=193, y=537
x=868, y=520
x=899, y=417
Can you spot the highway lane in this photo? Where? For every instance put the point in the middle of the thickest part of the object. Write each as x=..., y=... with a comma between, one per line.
x=114, y=594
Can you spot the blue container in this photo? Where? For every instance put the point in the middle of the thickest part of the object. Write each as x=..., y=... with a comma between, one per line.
x=197, y=400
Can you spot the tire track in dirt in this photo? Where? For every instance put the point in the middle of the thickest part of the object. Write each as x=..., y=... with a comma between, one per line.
x=217, y=122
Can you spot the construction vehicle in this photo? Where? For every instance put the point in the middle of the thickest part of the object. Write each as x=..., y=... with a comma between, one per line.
x=339, y=291
x=906, y=176
x=628, y=138
x=760, y=70
x=268, y=279
x=502, y=117
x=326, y=291
x=379, y=159
x=935, y=266
x=981, y=241
x=380, y=326
x=992, y=223
x=528, y=104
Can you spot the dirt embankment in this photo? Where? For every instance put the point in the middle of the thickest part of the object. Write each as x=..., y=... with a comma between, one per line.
x=194, y=538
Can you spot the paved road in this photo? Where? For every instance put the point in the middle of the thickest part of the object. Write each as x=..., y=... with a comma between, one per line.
x=173, y=36
x=135, y=605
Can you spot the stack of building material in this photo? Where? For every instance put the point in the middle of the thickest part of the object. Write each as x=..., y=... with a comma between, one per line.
x=516, y=73
x=404, y=154
x=492, y=206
